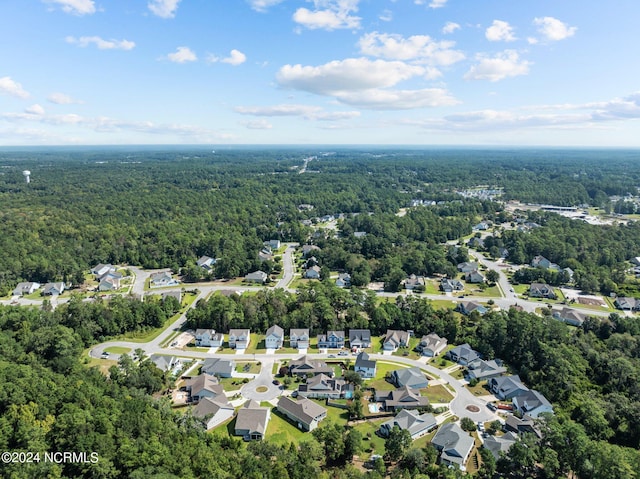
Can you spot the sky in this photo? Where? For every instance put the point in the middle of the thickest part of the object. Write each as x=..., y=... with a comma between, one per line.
x=313, y=72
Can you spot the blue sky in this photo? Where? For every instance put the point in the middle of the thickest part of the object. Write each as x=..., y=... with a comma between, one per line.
x=419, y=72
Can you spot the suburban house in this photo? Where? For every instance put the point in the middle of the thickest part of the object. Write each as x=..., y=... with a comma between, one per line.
x=110, y=282
x=364, y=366
x=252, y=420
x=454, y=445
x=344, y=280
x=222, y=368
x=312, y=273
x=467, y=267
x=274, y=338
x=213, y=411
x=331, y=340
x=203, y=386
x=523, y=425
x=265, y=254
x=507, y=387
x=481, y=369
x=308, y=249
x=205, y=337
x=299, y=338
x=273, y=244
x=322, y=386
x=451, y=285
x=312, y=261
x=206, y=262
x=403, y=398
x=359, y=338
x=395, y=339
x=239, y=338
x=256, y=277
x=500, y=445
x=304, y=412
x=476, y=243
x=51, y=289
x=624, y=303
x=411, y=377
x=468, y=307
x=25, y=288
x=304, y=366
x=163, y=279
x=541, y=290
x=431, y=345
x=166, y=363
x=570, y=316
x=474, y=277
x=463, y=354
x=100, y=270
x=532, y=403
x=417, y=424
x=544, y=263
x=413, y=282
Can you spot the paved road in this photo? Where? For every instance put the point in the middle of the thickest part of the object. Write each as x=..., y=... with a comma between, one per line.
x=263, y=380
x=288, y=266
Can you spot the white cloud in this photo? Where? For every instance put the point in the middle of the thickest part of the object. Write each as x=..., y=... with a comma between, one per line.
x=329, y=15
x=235, y=58
x=182, y=55
x=500, y=31
x=438, y=3
x=263, y=5
x=503, y=65
x=377, y=99
x=13, y=88
x=553, y=29
x=450, y=27
x=308, y=112
x=346, y=75
x=416, y=47
x=34, y=110
x=164, y=8
x=386, y=16
x=75, y=7
x=101, y=43
x=258, y=125
x=62, y=99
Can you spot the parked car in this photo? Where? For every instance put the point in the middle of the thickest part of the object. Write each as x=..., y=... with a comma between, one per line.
x=276, y=382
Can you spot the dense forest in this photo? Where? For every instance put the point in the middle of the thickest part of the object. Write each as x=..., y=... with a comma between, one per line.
x=164, y=208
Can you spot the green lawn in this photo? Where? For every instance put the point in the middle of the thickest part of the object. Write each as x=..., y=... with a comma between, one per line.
x=432, y=287
x=254, y=368
x=117, y=350
x=492, y=292
x=382, y=368
x=334, y=414
x=480, y=389
x=443, y=303
x=232, y=384
x=413, y=342
x=256, y=344
x=287, y=351
x=371, y=442
x=437, y=394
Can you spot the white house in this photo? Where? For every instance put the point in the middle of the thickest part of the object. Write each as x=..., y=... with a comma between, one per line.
x=299, y=338
x=239, y=338
x=274, y=338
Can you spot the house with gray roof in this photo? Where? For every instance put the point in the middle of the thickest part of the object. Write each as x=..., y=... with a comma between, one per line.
x=431, y=345
x=312, y=272
x=364, y=366
x=463, y=354
x=541, y=290
x=500, y=445
x=309, y=249
x=222, y=368
x=239, y=338
x=166, y=363
x=256, y=277
x=570, y=316
x=213, y=411
x=474, y=277
x=53, y=289
x=206, y=262
x=322, y=386
x=413, y=378
x=467, y=267
x=305, y=413
x=468, y=307
x=305, y=365
x=532, y=403
x=274, y=338
x=413, y=282
x=454, y=445
x=523, y=425
x=110, y=282
x=204, y=337
x=395, y=339
x=359, y=338
x=100, y=270
x=481, y=369
x=252, y=421
x=417, y=424
x=621, y=302
x=163, y=278
x=331, y=340
x=299, y=338
x=451, y=285
x=544, y=263
x=402, y=398
x=507, y=387
x=25, y=288
x=203, y=386
x=344, y=280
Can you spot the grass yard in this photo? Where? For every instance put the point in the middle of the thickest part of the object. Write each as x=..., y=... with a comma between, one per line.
x=480, y=389
x=254, y=368
x=226, y=429
x=437, y=394
x=432, y=287
x=287, y=351
x=334, y=414
x=256, y=344
x=117, y=350
x=492, y=292
x=413, y=342
x=371, y=442
x=443, y=304
x=421, y=442
x=232, y=384
x=102, y=364
x=382, y=368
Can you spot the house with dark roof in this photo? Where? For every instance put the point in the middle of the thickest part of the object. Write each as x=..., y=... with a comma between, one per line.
x=299, y=338
x=468, y=307
x=402, y=398
x=523, y=425
x=532, y=403
x=364, y=366
x=506, y=387
x=322, y=386
x=309, y=249
x=541, y=290
x=239, y=338
x=274, y=338
x=395, y=339
x=451, y=285
x=213, y=411
x=621, y=302
x=500, y=445
x=454, y=445
x=481, y=369
x=431, y=345
x=463, y=354
x=305, y=365
x=359, y=338
x=417, y=424
x=305, y=413
x=467, y=267
x=222, y=368
x=570, y=316
x=53, y=289
x=252, y=421
x=203, y=386
x=331, y=340
x=411, y=377
x=206, y=262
